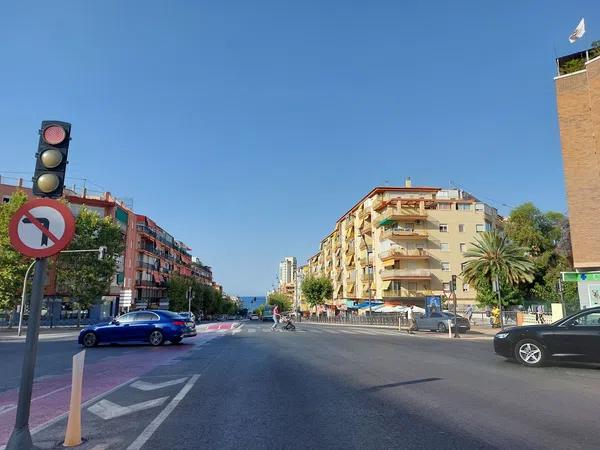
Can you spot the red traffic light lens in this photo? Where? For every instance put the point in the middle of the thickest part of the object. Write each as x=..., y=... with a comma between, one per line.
x=54, y=134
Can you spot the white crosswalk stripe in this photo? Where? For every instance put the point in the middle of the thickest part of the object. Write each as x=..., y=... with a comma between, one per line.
x=314, y=330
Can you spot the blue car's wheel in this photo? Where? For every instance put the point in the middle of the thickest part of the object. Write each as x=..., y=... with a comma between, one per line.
x=89, y=339
x=156, y=338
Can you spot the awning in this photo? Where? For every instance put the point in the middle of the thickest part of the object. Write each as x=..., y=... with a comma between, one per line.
x=388, y=263
x=386, y=284
x=385, y=222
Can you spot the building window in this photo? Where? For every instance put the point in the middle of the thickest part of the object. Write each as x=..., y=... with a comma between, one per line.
x=443, y=228
x=444, y=206
x=446, y=287
x=479, y=207
x=445, y=267
x=465, y=287
x=5, y=198
x=488, y=226
x=463, y=247
x=444, y=247
x=463, y=266
x=480, y=228
x=463, y=206
x=461, y=227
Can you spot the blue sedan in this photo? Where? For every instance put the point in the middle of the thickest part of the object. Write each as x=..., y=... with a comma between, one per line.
x=154, y=326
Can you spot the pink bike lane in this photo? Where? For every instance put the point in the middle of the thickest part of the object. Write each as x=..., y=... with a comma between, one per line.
x=50, y=398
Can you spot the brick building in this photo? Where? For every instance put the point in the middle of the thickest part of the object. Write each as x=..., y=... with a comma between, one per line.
x=150, y=258
x=578, y=104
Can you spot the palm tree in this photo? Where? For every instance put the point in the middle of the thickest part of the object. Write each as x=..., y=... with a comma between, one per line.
x=495, y=257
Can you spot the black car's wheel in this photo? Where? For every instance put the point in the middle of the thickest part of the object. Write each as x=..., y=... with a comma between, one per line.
x=176, y=340
x=530, y=353
x=90, y=339
x=156, y=338
x=442, y=328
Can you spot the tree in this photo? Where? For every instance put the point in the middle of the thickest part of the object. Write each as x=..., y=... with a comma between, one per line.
x=281, y=300
x=83, y=275
x=12, y=264
x=316, y=290
x=495, y=257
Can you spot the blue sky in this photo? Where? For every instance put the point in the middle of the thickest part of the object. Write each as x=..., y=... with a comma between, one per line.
x=247, y=128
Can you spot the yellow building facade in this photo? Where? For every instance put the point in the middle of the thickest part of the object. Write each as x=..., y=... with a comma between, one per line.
x=401, y=244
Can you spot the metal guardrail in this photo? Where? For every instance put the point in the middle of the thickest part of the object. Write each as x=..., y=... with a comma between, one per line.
x=390, y=319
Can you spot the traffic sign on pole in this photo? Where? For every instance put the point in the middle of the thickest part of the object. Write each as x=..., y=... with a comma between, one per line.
x=41, y=228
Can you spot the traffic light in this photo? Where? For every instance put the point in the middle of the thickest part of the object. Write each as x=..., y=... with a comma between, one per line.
x=453, y=284
x=51, y=159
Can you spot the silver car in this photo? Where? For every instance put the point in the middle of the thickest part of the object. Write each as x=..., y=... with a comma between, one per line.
x=438, y=321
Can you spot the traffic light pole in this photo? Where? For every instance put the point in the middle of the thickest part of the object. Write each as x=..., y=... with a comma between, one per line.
x=20, y=439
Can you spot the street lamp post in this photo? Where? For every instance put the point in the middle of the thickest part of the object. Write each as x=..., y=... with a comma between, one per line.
x=362, y=235
x=23, y=295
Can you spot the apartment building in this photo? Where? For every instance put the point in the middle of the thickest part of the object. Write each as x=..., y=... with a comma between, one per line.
x=287, y=270
x=401, y=244
x=578, y=104
x=150, y=258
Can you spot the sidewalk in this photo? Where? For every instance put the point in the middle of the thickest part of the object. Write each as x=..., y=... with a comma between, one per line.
x=46, y=333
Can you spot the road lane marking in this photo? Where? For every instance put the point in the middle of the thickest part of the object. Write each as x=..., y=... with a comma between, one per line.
x=153, y=426
x=328, y=331
x=105, y=409
x=83, y=405
x=146, y=386
x=47, y=394
x=251, y=330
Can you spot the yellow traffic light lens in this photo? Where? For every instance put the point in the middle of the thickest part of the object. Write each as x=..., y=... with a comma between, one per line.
x=51, y=158
x=47, y=182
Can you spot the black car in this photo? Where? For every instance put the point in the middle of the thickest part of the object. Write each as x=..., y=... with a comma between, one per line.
x=574, y=338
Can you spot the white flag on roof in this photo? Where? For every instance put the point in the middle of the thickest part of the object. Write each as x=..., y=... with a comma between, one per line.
x=579, y=31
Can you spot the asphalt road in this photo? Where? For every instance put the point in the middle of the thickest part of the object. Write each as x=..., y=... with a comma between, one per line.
x=325, y=387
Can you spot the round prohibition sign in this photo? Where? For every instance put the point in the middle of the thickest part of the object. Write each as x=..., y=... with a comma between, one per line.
x=41, y=228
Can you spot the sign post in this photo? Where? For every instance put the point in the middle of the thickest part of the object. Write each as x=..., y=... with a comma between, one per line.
x=40, y=228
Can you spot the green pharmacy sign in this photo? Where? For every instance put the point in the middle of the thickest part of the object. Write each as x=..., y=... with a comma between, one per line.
x=580, y=276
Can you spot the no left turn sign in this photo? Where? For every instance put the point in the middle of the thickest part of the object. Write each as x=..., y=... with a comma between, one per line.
x=41, y=228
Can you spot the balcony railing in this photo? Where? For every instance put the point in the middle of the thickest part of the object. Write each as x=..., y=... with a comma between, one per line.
x=145, y=283
x=364, y=213
x=403, y=293
x=399, y=253
x=406, y=274
x=401, y=215
x=404, y=234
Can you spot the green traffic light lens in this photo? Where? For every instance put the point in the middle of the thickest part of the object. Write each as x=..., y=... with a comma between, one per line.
x=47, y=182
x=51, y=158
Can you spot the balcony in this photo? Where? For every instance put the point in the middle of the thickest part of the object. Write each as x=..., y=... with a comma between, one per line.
x=350, y=248
x=404, y=293
x=351, y=276
x=404, y=235
x=391, y=215
x=364, y=213
x=406, y=274
x=146, y=265
x=399, y=253
x=145, y=283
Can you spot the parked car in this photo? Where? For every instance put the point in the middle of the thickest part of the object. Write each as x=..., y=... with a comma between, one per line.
x=188, y=316
x=438, y=321
x=153, y=326
x=254, y=317
x=574, y=338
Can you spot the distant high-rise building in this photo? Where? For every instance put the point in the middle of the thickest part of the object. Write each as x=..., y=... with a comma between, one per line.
x=287, y=270
x=578, y=98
